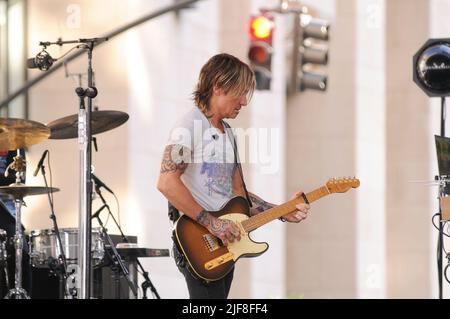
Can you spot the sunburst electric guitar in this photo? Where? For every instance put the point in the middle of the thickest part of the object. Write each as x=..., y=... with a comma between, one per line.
x=211, y=260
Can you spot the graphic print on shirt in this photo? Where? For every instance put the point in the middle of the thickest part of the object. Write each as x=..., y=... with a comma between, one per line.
x=218, y=178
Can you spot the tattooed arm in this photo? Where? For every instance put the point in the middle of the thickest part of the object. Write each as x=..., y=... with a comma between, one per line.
x=259, y=204
x=174, y=163
x=175, y=160
x=225, y=229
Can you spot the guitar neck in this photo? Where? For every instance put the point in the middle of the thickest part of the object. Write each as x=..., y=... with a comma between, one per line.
x=267, y=216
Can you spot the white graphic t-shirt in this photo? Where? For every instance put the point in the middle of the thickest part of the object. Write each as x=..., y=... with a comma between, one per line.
x=211, y=166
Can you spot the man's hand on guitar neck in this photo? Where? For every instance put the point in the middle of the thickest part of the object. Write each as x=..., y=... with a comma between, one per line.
x=299, y=214
x=224, y=229
x=260, y=205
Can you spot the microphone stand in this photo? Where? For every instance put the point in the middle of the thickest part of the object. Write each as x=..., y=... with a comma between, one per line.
x=115, y=257
x=147, y=283
x=61, y=267
x=85, y=152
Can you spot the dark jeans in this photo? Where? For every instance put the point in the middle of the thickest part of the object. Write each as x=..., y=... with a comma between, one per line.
x=200, y=289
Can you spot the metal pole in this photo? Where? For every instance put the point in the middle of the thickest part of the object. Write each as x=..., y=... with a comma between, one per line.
x=84, y=248
x=18, y=245
x=442, y=193
x=294, y=82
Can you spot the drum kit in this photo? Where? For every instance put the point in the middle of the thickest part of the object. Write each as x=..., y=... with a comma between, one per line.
x=20, y=133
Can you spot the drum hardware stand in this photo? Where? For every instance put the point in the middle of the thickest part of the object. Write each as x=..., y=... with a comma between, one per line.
x=114, y=256
x=3, y=259
x=18, y=292
x=147, y=283
x=60, y=267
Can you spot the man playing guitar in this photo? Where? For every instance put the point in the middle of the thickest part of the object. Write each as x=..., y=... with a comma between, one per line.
x=200, y=175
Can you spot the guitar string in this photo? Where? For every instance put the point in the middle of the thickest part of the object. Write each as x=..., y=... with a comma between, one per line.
x=260, y=219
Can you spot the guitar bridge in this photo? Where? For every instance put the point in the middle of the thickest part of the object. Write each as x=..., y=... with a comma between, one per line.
x=216, y=262
x=212, y=242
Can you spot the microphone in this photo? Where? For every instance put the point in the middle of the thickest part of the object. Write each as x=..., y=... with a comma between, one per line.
x=99, y=183
x=41, y=161
x=215, y=137
x=43, y=61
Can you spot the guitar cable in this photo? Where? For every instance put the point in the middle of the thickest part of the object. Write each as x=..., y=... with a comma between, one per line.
x=436, y=226
x=447, y=255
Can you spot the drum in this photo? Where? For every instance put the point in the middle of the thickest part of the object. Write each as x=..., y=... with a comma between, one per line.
x=44, y=246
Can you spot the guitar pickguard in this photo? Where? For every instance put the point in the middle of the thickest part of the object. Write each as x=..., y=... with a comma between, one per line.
x=244, y=247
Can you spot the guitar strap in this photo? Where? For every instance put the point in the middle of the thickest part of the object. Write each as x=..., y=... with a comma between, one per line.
x=237, y=161
x=173, y=212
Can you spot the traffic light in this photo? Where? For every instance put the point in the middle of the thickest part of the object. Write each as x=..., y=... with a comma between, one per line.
x=260, y=50
x=311, y=53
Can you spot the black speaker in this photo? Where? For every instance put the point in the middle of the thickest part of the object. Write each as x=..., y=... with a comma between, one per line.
x=44, y=284
x=109, y=282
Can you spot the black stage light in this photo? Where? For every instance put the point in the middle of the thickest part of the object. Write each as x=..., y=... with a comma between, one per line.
x=431, y=67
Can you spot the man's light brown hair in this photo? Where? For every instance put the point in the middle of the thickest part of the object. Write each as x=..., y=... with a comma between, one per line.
x=225, y=72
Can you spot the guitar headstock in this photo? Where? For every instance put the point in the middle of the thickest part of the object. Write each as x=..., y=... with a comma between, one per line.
x=341, y=185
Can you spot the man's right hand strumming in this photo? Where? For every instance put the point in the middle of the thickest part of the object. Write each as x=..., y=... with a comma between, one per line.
x=224, y=229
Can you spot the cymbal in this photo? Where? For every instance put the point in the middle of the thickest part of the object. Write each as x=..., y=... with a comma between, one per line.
x=21, y=190
x=20, y=133
x=102, y=121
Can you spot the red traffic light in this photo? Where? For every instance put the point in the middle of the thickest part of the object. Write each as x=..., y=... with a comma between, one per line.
x=259, y=53
x=261, y=28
